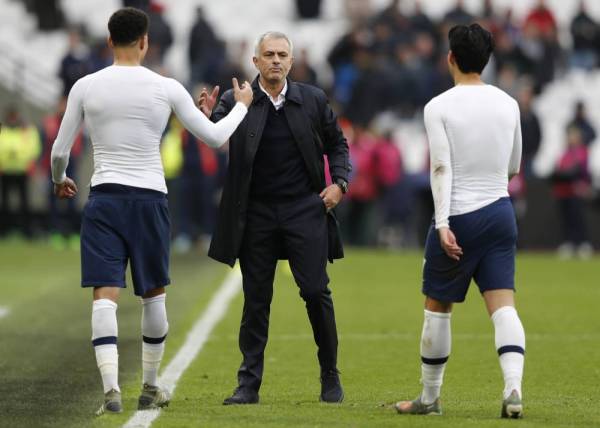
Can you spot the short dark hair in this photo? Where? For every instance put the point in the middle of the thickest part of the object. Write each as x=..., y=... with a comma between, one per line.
x=472, y=46
x=127, y=25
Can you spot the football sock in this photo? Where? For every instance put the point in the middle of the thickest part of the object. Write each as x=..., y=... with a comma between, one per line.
x=154, y=333
x=104, y=339
x=510, y=343
x=435, y=350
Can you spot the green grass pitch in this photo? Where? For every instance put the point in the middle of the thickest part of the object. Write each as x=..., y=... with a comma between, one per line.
x=48, y=375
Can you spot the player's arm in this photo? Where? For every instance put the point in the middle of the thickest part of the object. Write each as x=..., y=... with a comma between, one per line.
x=515, y=157
x=213, y=134
x=441, y=177
x=64, y=187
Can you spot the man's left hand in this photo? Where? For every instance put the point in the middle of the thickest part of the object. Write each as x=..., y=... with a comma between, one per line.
x=331, y=195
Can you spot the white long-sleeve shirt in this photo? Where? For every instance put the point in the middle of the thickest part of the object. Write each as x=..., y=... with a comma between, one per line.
x=474, y=134
x=126, y=109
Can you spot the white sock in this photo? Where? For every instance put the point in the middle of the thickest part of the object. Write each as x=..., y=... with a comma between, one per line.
x=435, y=350
x=154, y=333
x=510, y=343
x=104, y=339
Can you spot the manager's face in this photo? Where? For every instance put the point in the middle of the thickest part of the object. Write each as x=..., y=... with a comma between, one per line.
x=274, y=59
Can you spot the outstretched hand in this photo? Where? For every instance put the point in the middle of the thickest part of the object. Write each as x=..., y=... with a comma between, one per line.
x=65, y=190
x=207, y=102
x=242, y=93
x=449, y=244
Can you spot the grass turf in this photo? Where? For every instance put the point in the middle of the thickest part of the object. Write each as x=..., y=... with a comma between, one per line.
x=50, y=377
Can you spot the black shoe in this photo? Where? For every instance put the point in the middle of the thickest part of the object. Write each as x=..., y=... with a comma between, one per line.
x=331, y=388
x=242, y=395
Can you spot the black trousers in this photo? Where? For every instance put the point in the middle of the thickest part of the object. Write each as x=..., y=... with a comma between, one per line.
x=21, y=217
x=298, y=229
x=572, y=216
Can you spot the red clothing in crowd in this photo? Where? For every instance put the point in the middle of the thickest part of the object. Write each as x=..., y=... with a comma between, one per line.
x=571, y=174
x=376, y=164
x=543, y=19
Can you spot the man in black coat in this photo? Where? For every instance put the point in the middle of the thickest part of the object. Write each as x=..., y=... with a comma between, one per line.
x=276, y=205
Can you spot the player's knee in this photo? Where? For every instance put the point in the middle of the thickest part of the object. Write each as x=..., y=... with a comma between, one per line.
x=154, y=292
x=107, y=292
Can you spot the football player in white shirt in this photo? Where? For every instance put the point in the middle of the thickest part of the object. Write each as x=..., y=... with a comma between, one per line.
x=126, y=219
x=474, y=136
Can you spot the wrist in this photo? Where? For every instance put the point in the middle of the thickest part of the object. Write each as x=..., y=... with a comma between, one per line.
x=342, y=184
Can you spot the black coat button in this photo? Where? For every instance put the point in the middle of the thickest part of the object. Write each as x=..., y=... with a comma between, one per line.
x=252, y=135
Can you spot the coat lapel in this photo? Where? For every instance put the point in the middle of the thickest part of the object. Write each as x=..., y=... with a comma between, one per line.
x=256, y=118
x=302, y=132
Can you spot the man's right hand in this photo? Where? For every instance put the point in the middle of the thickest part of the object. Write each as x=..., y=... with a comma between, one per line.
x=449, y=244
x=65, y=190
x=242, y=94
x=207, y=102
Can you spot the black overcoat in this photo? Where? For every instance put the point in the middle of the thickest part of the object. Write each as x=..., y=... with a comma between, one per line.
x=315, y=130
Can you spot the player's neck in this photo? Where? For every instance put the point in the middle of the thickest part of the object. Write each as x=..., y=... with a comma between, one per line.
x=127, y=57
x=274, y=88
x=467, y=79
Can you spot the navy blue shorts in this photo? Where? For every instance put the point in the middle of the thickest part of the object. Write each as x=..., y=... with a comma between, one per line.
x=488, y=238
x=121, y=224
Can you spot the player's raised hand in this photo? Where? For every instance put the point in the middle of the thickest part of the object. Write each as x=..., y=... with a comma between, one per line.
x=65, y=190
x=207, y=102
x=242, y=93
x=449, y=244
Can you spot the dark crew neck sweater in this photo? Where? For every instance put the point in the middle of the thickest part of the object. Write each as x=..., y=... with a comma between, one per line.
x=279, y=171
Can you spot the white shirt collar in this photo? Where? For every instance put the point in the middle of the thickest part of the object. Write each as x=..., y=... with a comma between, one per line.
x=277, y=102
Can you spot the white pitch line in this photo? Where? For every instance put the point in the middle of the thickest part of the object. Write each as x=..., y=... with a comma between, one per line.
x=196, y=339
x=4, y=311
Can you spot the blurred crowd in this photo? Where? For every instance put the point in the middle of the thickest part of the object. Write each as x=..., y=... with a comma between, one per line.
x=388, y=65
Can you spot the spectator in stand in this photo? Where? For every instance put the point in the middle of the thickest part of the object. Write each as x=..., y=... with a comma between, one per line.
x=343, y=60
x=48, y=13
x=20, y=147
x=571, y=182
x=392, y=17
x=586, y=35
x=231, y=66
x=206, y=52
x=389, y=173
x=308, y=9
x=458, y=15
x=540, y=43
x=100, y=55
x=530, y=129
x=63, y=223
x=370, y=90
x=197, y=192
x=160, y=36
x=302, y=70
x=75, y=63
x=507, y=25
x=581, y=122
x=542, y=19
x=376, y=169
x=359, y=212
x=139, y=4
x=421, y=23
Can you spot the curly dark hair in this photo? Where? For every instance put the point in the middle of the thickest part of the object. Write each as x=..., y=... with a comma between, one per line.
x=472, y=46
x=127, y=25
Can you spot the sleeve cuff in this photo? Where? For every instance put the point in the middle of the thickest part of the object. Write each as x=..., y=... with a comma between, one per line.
x=241, y=106
x=61, y=181
x=439, y=225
